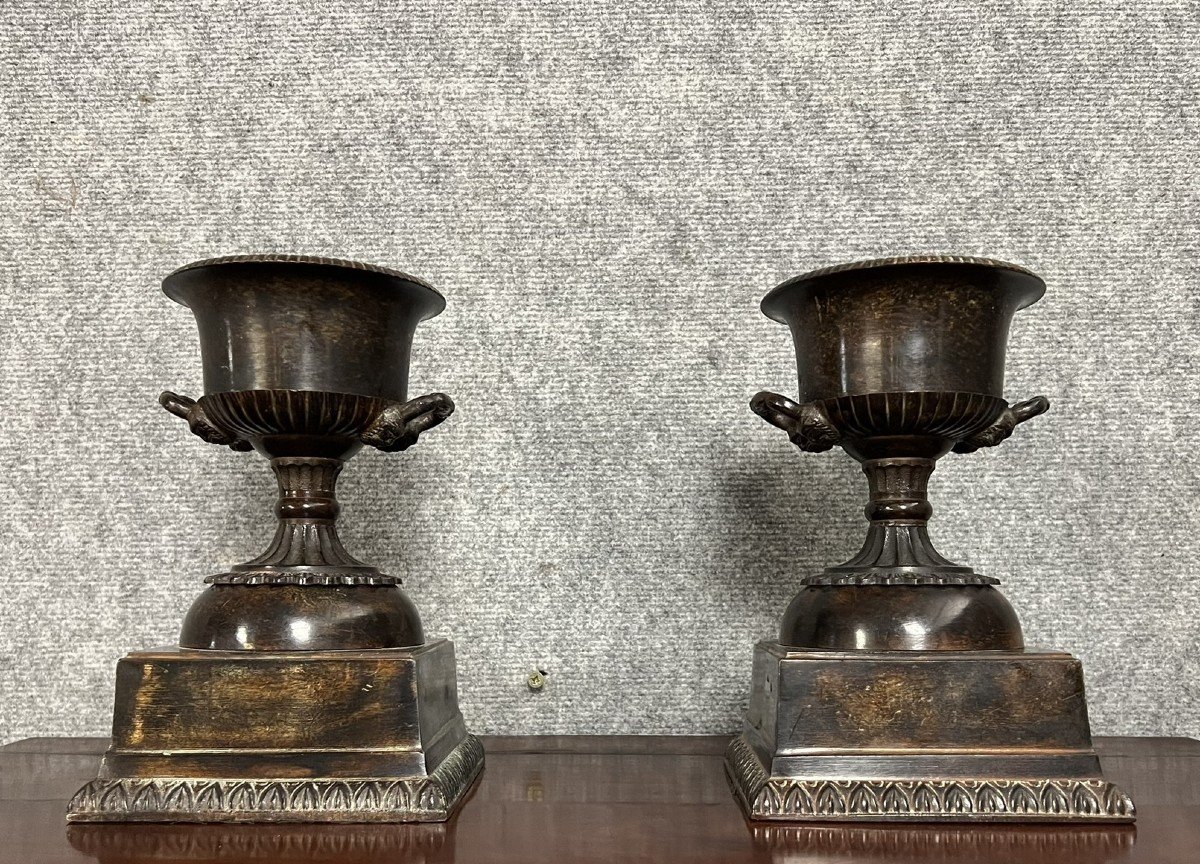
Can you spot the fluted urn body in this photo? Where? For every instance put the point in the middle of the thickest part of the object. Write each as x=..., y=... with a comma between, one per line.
x=305, y=360
x=900, y=361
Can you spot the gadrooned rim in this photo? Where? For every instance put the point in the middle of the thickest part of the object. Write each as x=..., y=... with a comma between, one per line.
x=872, y=263
x=902, y=260
x=319, y=260
x=314, y=260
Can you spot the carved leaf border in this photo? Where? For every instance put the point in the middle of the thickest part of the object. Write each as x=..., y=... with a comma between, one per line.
x=203, y=799
x=992, y=800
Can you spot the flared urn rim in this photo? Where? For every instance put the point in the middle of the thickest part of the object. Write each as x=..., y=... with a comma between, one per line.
x=303, y=322
x=171, y=290
x=1034, y=287
x=906, y=324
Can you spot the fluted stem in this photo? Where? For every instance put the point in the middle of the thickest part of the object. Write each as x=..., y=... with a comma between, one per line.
x=897, y=549
x=899, y=490
x=307, y=509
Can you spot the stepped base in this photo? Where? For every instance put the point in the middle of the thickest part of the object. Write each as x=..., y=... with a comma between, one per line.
x=930, y=736
x=301, y=736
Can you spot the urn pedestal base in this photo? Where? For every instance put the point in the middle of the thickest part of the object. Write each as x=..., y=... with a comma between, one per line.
x=983, y=736
x=299, y=736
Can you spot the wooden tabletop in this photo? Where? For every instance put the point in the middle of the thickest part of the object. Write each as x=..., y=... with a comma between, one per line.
x=580, y=799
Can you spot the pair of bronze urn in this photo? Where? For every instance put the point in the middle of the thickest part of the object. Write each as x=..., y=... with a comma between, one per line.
x=304, y=689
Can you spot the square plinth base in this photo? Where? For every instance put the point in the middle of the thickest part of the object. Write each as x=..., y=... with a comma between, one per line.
x=985, y=736
x=321, y=736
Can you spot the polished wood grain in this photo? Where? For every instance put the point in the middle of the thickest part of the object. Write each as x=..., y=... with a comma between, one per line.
x=583, y=799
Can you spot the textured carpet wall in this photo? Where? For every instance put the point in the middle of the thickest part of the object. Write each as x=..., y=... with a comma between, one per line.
x=603, y=191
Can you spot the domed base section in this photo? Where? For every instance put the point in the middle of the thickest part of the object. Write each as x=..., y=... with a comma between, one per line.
x=301, y=618
x=901, y=618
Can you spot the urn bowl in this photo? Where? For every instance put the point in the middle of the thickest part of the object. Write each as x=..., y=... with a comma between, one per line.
x=297, y=322
x=913, y=324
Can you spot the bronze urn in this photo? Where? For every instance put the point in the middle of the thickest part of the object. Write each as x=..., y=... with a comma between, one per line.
x=305, y=361
x=900, y=687
x=303, y=688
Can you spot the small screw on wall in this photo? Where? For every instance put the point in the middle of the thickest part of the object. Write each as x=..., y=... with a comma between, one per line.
x=536, y=680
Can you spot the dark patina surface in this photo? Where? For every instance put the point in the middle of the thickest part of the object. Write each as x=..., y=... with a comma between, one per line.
x=899, y=671
x=303, y=688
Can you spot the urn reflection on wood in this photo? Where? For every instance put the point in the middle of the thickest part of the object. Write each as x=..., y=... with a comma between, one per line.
x=303, y=688
x=900, y=687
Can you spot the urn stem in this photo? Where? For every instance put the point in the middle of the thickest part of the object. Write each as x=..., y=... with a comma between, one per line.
x=898, y=510
x=897, y=549
x=899, y=490
x=307, y=509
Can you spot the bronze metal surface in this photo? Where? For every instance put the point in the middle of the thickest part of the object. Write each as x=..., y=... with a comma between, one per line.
x=918, y=324
x=989, y=736
x=304, y=688
x=284, y=736
x=293, y=322
x=901, y=617
x=305, y=360
x=900, y=689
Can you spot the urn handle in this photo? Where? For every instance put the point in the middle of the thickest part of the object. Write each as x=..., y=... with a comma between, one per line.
x=807, y=425
x=398, y=426
x=1004, y=425
x=193, y=412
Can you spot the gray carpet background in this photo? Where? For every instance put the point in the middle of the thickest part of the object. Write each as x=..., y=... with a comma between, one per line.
x=603, y=191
